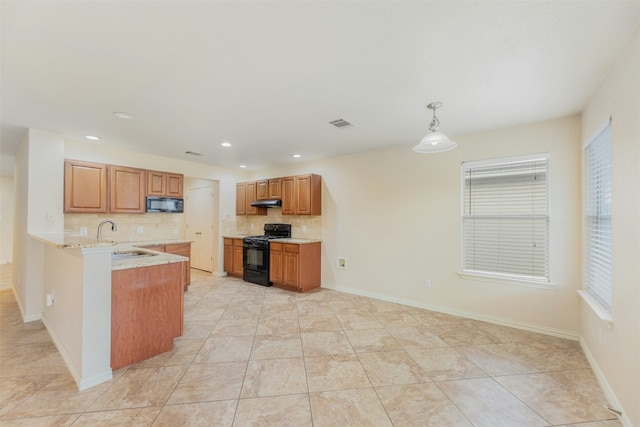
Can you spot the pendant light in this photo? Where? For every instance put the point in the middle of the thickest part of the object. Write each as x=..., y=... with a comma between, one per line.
x=434, y=141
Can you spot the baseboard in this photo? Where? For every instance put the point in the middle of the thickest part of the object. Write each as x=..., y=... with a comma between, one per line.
x=25, y=319
x=468, y=315
x=86, y=383
x=604, y=384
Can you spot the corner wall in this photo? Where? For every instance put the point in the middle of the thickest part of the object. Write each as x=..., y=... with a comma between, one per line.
x=616, y=351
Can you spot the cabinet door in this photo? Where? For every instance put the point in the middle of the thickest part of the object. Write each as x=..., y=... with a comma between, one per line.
x=262, y=190
x=156, y=183
x=275, y=188
x=237, y=257
x=288, y=200
x=175, y=185
x=241, y=198
x=127, y=190
x=276, y=256
x=303, y=194
x=290, y=266
x=85, y=187
x=228, y=256
x=182, y=249
x=251, y=196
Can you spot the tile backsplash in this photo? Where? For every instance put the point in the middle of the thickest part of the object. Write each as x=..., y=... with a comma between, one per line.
x=302, y=226
x=154, y=226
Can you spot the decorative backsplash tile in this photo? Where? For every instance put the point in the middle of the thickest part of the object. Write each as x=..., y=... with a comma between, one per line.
x=131, y=228
x=302, y=226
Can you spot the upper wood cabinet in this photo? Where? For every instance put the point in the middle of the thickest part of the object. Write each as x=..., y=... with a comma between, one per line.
x=127, y=190
x=164, y=184
x=269, y=189
x=302, y=195
x=275, y=188
x=262, y=190
x=246, y=193
x=85, y=187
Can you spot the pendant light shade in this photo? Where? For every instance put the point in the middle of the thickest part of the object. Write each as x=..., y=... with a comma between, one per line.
x=434, y=141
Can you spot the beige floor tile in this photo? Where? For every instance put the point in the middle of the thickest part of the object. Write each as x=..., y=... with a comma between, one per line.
x=583, y=382
x=277, y=325
x=195, y=329
x=242, y=310
x=281, y=310
x=225, y=349
x=495, y=360
x=274, y=377
x=416, y=337
x=359, y=320
x=236, y=327
x=485, y=403
x=53, y=421
x=506, y=334
x=335, y=372
x=203, y=313
x=360, y=407
x=392, y=368
x=464, y=333
x=319, y=322
x=420, y=405
x=378, y=306
x=368, y=340
x=119, y=418
x=208, y=382
x=197, y=414
x=608, y=423
x=548, y=356
x=325, y=342
x=396, y=319
x=313, y=308
x=140, y=387
x=551, y=400
x=14, y=390
x=280, y=411
x=276, y=346
x=432, y=318
x=31, y=359
x=445, y=363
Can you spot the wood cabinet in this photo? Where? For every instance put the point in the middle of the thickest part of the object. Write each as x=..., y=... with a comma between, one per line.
x=302, y=195
x=294, y=266
x=233, y=257
x=182, y=249
x=262, y=190
x=127, y=190
x=246, y=193
x=85, y=187
x=269, y=189
x=147, y=312
x=164, y=184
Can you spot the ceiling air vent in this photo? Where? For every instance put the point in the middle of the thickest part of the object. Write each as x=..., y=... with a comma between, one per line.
x=193, y=153
x=340, y=123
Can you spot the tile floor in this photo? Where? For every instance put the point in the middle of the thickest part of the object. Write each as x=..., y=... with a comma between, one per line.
x=260, y=356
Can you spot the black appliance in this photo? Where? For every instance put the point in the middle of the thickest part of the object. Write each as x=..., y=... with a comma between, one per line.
x=165, y=204
x=255, y=253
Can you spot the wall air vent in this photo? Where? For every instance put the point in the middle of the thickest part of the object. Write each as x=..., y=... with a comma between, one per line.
x=193, y=153
x=340, y=123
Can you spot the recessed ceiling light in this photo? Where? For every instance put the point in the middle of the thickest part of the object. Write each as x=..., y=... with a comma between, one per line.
x=123, y=115
x=226, y=144
x=243, y=166
x=296, y=156
x=92, y=138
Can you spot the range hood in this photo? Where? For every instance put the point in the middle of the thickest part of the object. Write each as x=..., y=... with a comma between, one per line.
x=267, y=203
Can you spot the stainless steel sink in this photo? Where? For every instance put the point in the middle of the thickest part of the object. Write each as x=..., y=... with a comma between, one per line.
x=122, y=255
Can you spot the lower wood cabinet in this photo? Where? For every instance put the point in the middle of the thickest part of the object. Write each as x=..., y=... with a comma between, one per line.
x=295, y=266
x=182, y=249
x=147, y=311
x=233, y=257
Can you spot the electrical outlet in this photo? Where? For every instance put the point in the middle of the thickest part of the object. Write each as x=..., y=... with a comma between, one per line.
x=342, y=263
x=83, y=231
x=427, y=283
x=140, y=229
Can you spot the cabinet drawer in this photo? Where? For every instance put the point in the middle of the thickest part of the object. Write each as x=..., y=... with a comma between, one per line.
x=291, y=249
x=275, y=246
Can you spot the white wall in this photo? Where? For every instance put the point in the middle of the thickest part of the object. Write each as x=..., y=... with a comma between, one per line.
x=6, y=219
x=395, y=216
x=616, y=352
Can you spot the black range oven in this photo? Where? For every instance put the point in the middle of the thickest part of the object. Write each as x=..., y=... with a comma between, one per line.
x=255, y=253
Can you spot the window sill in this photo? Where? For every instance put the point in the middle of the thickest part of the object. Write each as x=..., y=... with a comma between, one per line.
x=597, y=308
x=506, y=280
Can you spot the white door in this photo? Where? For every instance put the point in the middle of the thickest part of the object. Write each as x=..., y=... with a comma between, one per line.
x=200, y=207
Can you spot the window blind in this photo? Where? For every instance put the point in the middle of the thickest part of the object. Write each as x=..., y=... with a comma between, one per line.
x=506, y=218
x=597, y=182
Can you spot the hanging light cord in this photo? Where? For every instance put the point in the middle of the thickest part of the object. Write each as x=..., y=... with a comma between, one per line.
x=435, y=122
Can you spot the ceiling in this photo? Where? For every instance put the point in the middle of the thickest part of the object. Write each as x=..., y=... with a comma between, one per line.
x=268, y=77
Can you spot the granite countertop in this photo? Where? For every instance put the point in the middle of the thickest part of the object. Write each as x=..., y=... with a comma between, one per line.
x=236, y=236
x=150, y=258
x=297, y=241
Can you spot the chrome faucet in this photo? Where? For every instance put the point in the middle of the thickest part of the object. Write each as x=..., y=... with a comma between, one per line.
x=114, y=227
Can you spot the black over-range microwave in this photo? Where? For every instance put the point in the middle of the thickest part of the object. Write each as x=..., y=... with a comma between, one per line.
x=165, y=204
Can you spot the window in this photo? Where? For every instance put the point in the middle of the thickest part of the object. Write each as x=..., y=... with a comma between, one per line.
x=597, y=221
x=505, y=218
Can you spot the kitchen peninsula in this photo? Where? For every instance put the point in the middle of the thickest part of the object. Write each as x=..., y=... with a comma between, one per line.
x=104, y=297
